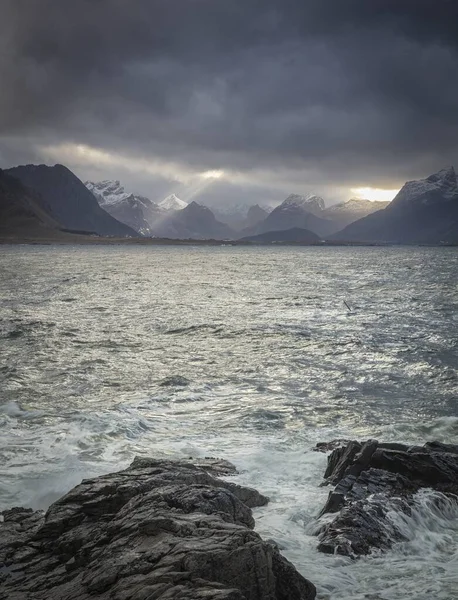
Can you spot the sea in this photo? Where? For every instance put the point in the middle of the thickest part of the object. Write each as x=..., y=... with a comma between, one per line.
x=252, y=354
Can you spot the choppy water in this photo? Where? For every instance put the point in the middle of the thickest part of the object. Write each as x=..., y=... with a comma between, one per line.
x=247, y=354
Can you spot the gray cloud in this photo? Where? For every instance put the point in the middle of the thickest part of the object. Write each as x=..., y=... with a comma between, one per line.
x=293, y=94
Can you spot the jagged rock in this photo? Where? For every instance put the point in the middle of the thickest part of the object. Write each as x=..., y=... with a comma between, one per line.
x=372, y=479
x=362, y=526
x=339, y=460
x=158, y=530
x=332, y=445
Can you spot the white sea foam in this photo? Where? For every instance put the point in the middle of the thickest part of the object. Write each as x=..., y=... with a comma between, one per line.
x=263, y=363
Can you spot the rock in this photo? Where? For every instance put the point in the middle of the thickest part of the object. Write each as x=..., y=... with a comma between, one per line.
x=360, y=527
x=371, y=480
x=425, y=466
x=160, y=529
x=339, y=460
x=332, y=445
x=439, y=447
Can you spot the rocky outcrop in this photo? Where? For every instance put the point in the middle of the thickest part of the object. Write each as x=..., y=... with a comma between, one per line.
x=157, y=530
x=371, y=481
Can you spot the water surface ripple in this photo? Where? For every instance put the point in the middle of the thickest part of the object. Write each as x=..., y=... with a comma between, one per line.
x=252, y=354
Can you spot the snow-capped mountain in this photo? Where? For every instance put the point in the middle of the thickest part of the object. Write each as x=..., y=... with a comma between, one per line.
x=138, y=212
x=172, y=202
x=423, y=211
x=107, y=192
x=439, y=187
x=312, y=203
x=295, y=212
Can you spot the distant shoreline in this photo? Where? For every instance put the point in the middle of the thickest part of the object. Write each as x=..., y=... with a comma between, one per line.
x=68, y=239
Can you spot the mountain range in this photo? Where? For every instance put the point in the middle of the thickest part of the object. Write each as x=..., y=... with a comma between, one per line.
x=424, y=211
x=158, y=219
x=52, y=199
x=138, y=212
x=310, y=212
x=294, y=212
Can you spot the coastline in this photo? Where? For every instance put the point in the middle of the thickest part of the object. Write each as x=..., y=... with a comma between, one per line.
x=69, y=238
x=183, y=529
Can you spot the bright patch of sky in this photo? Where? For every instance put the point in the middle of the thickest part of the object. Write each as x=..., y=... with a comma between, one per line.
x=374, y=194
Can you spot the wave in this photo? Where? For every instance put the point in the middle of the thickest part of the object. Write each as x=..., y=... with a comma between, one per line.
x=441, y=429
x=14, y=410
x=195, y=328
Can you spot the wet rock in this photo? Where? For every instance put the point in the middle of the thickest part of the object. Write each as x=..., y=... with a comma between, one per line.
x=339, y=460
x=424, y=466
x=332, y=445
x=362, y=526
x=157, y=530
x=371, y=481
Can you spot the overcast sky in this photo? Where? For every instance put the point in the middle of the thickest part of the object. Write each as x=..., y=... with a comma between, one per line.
x=232, y=100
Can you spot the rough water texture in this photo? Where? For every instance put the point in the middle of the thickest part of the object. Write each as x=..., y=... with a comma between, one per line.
x=159, y=529
x=247, y=354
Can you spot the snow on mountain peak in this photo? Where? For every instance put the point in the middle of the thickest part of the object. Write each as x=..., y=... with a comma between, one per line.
x=107, y=192
x=438, y=187
x=312, y=203
x=172, y=202
x=446, y=175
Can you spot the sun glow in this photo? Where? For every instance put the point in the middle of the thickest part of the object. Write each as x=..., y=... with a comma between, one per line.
x=212, y=174
x=374, y=194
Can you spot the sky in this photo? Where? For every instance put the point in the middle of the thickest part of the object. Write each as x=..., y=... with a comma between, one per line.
x=232, y=101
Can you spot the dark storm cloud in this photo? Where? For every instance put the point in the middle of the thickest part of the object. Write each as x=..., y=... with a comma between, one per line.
x=353, y=91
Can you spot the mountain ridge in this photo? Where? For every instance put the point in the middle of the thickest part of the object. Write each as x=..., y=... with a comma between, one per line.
x=293, y=212
x=193, y=221
x=71, y=203
x=423, y=211
x=138, y=212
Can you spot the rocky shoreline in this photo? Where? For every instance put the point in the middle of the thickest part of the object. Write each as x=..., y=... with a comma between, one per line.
x=157, y=530
x=164, y=529
x=374, y=481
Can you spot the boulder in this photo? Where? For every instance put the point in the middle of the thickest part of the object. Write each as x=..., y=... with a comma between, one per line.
x=373, y=479
x=158, y=530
